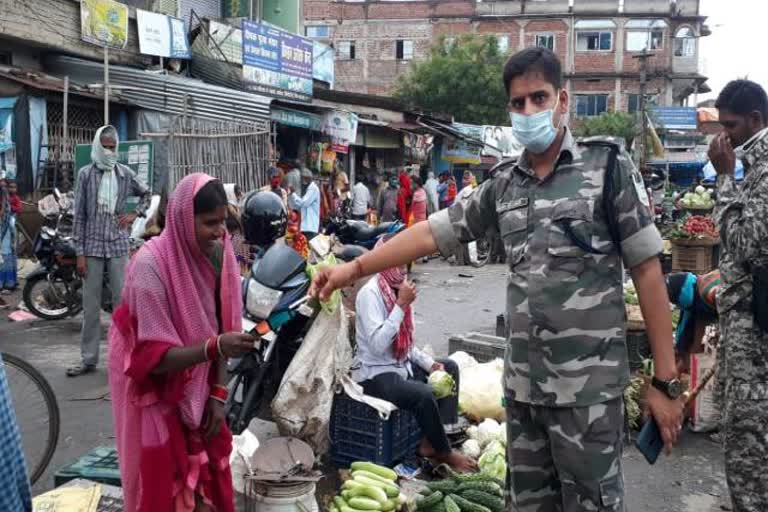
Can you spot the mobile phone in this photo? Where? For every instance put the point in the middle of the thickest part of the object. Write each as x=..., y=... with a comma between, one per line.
x=649, y=442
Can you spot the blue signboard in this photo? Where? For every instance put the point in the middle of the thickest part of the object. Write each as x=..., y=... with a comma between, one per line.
x=277, y=62
x=675, y=118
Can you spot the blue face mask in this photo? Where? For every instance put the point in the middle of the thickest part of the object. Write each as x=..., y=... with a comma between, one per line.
x=536, y=132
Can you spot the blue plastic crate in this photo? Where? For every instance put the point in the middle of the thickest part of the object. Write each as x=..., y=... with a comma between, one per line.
x=98, y=465
x=358, y=433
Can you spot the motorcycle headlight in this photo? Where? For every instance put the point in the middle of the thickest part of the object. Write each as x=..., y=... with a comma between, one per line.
x=260, y=300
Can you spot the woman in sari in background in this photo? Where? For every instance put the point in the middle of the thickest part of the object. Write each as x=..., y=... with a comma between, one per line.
x=179, y=321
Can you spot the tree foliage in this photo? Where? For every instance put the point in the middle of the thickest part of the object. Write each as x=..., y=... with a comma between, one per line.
x=462, y=78
x=616, y=124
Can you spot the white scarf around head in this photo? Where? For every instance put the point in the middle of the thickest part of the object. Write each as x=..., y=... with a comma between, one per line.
x=108, y=189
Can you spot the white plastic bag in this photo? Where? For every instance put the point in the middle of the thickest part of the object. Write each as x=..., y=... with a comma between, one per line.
x=705, y=415
x=243, y=448
x=481, y=391
x=302, y=405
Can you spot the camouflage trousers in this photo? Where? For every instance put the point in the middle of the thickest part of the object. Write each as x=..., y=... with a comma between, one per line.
x=745, y=425
x=565, y=459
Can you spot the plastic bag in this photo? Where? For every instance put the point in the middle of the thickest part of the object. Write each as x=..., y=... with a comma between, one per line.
x=481, y=392
x=302, y=405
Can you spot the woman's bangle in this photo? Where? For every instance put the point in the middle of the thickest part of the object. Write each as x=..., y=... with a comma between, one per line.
x=210, y=349
x=212, y=397
x=218, y=347
x=220, y=392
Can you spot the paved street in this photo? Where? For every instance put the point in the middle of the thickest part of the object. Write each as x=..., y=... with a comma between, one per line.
x=692, y=480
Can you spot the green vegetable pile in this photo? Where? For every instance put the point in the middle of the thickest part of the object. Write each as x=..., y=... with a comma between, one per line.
x=372, y=488
x=632, y=395
x=463, y=493
x=700, y=199
x=630, y=294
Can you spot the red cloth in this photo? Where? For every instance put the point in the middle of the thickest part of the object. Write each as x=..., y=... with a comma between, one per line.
x=15, y=202
x=404, y=197
x=452, y=191
x=169, y=302
x=389, y=280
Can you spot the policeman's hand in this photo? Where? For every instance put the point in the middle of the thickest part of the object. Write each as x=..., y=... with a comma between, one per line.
x=406, y=294
x=236, y=344
x=82, y=266
x=722, y=155
x=331, y=278
x=668, y=415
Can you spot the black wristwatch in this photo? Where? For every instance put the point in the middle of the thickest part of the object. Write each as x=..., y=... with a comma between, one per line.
x=672, y=388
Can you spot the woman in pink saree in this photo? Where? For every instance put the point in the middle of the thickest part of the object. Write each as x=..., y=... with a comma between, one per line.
x=178, y=322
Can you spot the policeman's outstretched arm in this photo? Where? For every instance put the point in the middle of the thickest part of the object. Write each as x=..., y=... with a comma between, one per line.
x=407, y=246
x=654, y=303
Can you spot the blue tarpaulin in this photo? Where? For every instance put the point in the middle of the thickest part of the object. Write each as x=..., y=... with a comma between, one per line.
x=710, y=175
x=6, y=123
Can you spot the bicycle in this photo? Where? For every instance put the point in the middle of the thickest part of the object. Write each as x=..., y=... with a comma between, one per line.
x=37, y=413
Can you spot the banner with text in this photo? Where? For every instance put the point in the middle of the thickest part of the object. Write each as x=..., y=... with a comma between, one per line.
x=162, y=36
x=276, y=62
x=459, y=151
x=341, y=126
x=104, y=23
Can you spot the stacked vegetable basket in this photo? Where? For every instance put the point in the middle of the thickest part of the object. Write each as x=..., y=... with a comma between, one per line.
x=694, y=242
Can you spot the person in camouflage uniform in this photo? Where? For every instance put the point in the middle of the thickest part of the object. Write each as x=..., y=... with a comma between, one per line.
x=566, y=363
x=741, y=213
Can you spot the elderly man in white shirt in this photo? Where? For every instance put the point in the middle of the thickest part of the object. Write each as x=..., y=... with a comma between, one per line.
x=389, y=366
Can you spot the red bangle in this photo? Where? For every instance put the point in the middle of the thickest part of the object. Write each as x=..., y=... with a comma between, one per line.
x=211, y=351
x=219, y=392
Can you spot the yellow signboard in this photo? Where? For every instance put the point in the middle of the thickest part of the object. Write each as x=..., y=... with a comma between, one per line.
x=104, y=23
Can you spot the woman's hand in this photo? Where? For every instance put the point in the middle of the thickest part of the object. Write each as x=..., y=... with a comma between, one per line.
x=236, y=344
x=213, y=418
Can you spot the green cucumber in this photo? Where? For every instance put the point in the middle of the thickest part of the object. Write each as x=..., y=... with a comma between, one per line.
x=490, y=487
x=391, y=490
x=361, y=503
x=340, y=502
x=350, y=509
x=467, y=506
x=430, y=501
x=375, y=469
x=372, y=476
x=390, y=505
x=444, y=486
x=494, y=503
x=450, y=505
x=369, y=491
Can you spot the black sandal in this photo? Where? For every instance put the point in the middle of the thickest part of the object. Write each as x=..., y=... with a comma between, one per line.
x=80, y=369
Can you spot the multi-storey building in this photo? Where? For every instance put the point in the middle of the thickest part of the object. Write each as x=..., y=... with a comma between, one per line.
x=597, y=40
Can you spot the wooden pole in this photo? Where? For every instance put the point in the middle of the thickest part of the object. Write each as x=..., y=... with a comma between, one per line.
x=106, y=85
x=66, y=120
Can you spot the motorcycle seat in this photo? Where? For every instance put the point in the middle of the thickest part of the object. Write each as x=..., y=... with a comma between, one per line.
x=361, y=231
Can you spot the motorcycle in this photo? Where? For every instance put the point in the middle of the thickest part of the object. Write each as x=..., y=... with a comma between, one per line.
x=53, y=290
x=274, y=297
x=357, y=232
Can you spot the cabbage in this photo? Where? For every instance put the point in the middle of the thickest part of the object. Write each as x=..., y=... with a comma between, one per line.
x=489, y=430
x=442, y=384
x=471, y=448
x=493, y=461
x=481, y=393
x=700, y=190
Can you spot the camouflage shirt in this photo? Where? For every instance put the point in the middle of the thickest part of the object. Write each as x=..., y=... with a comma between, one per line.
x=565, y=305
x=741, y=213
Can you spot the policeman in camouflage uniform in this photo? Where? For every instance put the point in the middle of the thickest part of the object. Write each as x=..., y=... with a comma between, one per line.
x=742, y=213
x=566, y=362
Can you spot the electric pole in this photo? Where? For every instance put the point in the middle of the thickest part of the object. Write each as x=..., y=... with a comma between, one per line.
x=641, y=155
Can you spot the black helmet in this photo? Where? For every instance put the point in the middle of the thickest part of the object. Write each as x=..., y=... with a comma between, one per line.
x=264, y=219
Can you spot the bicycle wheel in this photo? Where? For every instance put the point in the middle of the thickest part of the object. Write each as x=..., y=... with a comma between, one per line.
x=37, y=413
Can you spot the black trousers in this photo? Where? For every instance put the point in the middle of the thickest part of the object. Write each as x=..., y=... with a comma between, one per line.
x=415, y=395
x=358, y=217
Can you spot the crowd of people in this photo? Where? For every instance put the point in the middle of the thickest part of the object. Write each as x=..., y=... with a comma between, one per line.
x=177, y=319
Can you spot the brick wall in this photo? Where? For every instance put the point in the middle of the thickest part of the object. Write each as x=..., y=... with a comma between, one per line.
x=594, y=61
x=55, y=24
x=451, y=28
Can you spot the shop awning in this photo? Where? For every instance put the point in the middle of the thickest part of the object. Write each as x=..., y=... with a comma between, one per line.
x=171, y=94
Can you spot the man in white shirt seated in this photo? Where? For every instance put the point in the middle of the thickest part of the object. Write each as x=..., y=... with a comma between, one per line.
x=389, y=366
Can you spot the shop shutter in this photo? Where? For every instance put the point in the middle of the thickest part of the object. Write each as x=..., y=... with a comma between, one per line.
x=203, y=8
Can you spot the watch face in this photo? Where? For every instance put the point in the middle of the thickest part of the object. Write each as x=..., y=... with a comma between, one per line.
x=674, y=388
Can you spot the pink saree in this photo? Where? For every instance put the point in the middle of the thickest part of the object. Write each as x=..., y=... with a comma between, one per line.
x=169, y=301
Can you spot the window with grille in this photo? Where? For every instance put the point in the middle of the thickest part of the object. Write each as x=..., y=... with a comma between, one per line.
x=588, y=105
x=546, y=41
x=685, y=43
x=404, y=49
x=345, y=50
x=594, y=41
x=318, y=31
